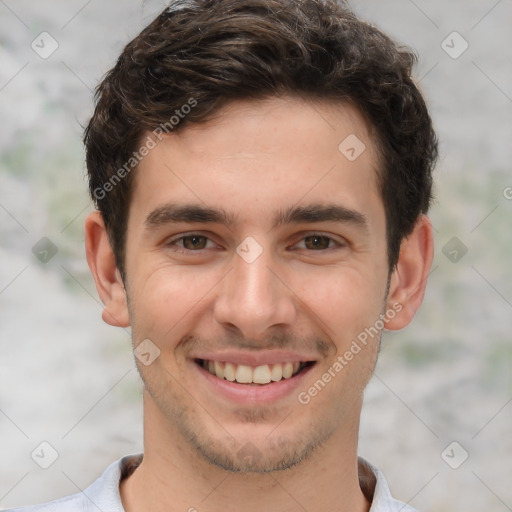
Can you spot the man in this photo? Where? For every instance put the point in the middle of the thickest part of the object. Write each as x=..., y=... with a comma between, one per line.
x=262, y=171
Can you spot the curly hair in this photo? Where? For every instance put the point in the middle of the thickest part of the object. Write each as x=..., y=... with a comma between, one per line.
x=206, y=53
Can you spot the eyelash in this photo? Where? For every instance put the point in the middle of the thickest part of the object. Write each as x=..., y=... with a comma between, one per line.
x=309, y=235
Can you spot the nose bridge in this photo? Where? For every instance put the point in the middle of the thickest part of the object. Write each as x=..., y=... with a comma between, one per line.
x=252, y=298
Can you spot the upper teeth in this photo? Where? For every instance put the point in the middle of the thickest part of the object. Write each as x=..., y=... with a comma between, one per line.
x=248, y=374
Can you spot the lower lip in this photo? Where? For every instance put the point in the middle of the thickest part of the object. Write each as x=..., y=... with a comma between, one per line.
x=246, y=393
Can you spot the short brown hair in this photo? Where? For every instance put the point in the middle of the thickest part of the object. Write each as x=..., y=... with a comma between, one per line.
x=206, y=53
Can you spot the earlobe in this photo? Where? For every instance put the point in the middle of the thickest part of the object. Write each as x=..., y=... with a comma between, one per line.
x=106, y=275
x=409, y=278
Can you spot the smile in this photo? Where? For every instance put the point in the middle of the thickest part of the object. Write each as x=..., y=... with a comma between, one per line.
x=258, y=375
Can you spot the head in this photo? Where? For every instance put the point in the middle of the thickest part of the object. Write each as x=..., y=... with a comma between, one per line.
x=242, y=122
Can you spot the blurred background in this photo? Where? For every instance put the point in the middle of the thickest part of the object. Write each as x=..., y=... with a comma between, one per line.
x=437, y=418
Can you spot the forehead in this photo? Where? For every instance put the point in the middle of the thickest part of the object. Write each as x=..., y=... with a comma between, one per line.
x=253, y=155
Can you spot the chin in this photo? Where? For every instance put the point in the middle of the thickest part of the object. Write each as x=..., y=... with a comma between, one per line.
x=253, y=453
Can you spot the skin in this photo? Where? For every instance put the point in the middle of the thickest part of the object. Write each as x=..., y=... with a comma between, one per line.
x=251, y=159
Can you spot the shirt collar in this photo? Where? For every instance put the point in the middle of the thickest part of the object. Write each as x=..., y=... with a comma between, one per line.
x=376, y=489
x=104, y=492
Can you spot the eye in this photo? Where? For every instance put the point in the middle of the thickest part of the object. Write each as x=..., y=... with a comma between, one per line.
x=196, y=242
x=318, y=242
x=193, y=242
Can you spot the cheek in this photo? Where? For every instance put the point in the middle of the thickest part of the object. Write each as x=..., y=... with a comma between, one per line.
x=345, y=301
x=347, y=306
x=167, y=297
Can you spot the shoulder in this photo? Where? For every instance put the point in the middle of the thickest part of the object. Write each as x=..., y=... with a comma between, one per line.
x=103, y=494
x=73, y=503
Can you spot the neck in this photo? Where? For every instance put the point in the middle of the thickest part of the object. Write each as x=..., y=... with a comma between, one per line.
x=173, y=476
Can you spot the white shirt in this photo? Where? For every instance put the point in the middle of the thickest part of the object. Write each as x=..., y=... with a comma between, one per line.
x=103, y=494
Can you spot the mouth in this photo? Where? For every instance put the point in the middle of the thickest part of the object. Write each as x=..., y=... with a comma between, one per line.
x=257, y=376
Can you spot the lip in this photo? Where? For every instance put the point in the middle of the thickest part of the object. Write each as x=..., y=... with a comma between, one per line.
x=254, y=358
x=246, y=393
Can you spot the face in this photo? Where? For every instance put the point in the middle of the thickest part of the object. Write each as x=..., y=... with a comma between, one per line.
x=256, y=249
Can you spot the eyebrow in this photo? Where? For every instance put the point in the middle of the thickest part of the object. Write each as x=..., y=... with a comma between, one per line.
x=190, y=213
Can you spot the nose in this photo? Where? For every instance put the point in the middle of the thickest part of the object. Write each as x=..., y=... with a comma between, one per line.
x=254, y=298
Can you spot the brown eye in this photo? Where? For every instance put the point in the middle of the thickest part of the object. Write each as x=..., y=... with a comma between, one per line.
x=317, y=242
x=192, y=242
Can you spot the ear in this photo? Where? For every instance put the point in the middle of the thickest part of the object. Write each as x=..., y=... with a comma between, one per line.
x=409, y=278
x=105, y=272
